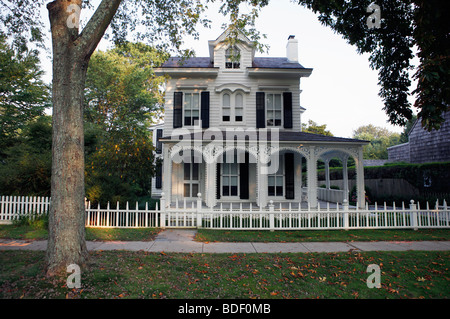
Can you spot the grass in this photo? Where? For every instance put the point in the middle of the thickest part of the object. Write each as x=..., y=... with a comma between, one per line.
x=206, y=235
x=32, y=232
x=122, y=275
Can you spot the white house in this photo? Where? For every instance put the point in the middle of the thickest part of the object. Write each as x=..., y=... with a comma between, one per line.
x=232, y=131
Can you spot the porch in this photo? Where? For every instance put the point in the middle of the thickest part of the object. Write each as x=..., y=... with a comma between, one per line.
x=281, y=169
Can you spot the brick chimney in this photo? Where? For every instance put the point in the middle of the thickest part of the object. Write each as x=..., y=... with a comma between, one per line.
x=292, y=49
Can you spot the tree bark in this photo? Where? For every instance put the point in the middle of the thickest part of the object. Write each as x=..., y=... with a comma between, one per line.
x=71, y=54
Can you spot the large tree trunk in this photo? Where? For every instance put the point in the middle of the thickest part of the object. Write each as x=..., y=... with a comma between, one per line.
x=71, y=53
x=66, y=243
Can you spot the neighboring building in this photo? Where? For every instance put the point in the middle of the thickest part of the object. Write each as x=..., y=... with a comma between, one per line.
x=232, y=130
x=424, y=146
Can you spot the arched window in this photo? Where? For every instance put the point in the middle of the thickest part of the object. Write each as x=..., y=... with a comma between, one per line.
x=232, y=58
x=226, y=108
x=239, y=107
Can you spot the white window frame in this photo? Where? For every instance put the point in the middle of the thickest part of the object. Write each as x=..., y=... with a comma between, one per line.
x=277, y=176
x=273, y=109
x=193, y=124
x=235, y=65
x=232, y=107
x=230, y=175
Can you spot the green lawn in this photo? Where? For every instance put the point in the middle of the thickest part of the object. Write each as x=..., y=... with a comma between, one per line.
x=121, y=274
x=38, y=232
x=206, y=235
x=32, y=232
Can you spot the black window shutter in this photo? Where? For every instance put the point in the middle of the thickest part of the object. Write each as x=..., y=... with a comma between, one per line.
x=218, y=181
x=205, y=109
x=260, y=110
x=243, y=175
x=177, y=109
x=287, y=107
x=289, y=175
x=159, y=133
x=158, y=175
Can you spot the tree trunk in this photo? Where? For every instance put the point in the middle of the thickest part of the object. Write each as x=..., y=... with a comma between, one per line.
x=66, y=242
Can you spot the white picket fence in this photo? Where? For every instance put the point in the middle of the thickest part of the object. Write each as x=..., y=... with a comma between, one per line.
x=242, y=217
x=12, y=207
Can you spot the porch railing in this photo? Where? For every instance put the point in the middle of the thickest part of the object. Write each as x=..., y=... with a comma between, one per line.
x=243, y=217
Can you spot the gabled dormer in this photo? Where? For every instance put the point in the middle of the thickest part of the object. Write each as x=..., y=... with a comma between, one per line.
x=236, y=54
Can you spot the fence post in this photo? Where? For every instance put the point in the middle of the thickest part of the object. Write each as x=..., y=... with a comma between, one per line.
x=345, y=209
x=271, y=216
x=413, y=208
x=199, y=210
x=162, y=201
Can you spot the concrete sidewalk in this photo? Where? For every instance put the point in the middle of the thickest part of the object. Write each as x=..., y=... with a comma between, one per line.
x=182, y=241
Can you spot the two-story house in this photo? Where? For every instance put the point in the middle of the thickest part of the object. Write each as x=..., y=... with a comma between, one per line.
x=232, y=130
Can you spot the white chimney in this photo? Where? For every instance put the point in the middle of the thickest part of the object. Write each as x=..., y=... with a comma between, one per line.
x=292, y=49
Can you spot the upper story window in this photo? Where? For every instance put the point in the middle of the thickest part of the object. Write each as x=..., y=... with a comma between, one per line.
x=274, y=109
x=191, y=108
x=232, y=107
x=232, y=58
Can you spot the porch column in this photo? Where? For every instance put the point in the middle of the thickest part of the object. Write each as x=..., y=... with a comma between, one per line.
x=261, y=175
x=311, y=167
x=327, y=173
x=211, y=186
x=345, y=176
x=361, y=193
x=167, y=175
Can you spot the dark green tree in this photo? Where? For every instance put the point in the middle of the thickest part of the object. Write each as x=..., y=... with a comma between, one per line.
x=23, y=95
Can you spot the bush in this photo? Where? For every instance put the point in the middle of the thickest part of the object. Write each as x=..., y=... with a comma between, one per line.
x=33, y=220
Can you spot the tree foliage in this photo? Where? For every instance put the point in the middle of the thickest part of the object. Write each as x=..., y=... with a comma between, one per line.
x=23, y=95
x=405, y=24
x=313, y=127
x=123, y=97
x=380, y=139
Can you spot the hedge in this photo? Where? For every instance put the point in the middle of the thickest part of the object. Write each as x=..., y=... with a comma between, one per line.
x=426, y=177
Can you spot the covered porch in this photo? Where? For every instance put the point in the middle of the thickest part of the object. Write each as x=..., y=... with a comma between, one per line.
x=239, y=172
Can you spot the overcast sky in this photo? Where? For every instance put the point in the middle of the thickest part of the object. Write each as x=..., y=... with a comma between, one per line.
x=342, y=91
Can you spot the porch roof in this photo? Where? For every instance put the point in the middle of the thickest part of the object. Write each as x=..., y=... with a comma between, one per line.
x=246, y=134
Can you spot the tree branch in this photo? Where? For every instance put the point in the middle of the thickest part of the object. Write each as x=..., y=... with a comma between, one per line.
x=96, y=27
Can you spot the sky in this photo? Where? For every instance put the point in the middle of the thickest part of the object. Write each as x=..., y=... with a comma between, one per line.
x=342, y=91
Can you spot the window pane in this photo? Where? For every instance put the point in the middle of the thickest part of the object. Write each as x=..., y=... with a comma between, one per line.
x=187, y=101
x=226, y=168
x=239, y=111
x=187, y=171
x=239, y=100
x=233, y=169
x=194, y=190
x=195, y=100
x=234, y=191
x=238, y=118
x=226, y=181
x=279, y=181
x=226, y=112
x=271, y=191
x=226, y=100
x=269, y=101
x=225, y=191
x=226, y=118
x=234, y=181
x=195, y=172
x=271, y=181
x=187, y=190
x=277, y=101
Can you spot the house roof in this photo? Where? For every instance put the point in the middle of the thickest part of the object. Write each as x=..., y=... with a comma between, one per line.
x=283, y=136
x=205, y=62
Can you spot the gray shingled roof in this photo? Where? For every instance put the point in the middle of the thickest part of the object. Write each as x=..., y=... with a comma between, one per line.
x=287, y=136
x=202, y=62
